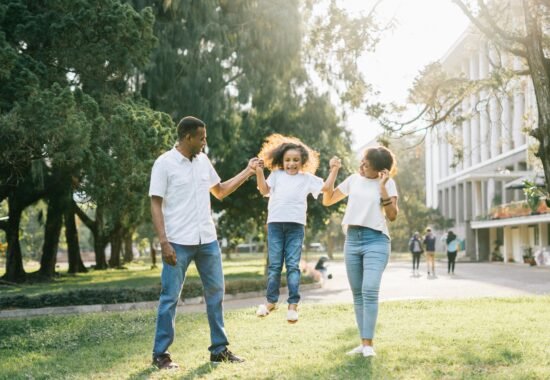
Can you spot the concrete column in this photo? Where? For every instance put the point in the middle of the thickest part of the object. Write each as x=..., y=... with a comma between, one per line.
x=519, y=109
x=490, y=194
x=507, y=125
x=483, y=114
x=466, y=139
x=474, y=121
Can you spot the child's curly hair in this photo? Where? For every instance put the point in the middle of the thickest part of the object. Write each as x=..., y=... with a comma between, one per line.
x=275, y=147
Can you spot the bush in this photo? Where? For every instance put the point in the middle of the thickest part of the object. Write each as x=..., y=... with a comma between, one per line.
x=125, y=295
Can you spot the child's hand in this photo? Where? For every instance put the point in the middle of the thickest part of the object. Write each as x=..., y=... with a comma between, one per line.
x=335, y=163
x=253, y=164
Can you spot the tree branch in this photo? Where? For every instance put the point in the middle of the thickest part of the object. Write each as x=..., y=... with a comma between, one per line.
x=89, y=222
x=489, y=31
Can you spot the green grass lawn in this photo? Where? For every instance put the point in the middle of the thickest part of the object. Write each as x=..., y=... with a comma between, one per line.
x=466, y=339
x=137, y=275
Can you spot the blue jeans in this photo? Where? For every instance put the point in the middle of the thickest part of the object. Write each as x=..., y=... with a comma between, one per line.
x=366, y=253
x=284, y=244
x=209, y=264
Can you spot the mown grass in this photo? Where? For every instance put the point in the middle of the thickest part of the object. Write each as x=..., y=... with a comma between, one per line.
x=137, y=275
x=465, y=339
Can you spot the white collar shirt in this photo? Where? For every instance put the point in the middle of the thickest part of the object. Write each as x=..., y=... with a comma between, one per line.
x=184, y=187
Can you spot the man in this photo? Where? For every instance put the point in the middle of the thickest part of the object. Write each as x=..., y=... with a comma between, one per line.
x=429, y=243
x=181, y=182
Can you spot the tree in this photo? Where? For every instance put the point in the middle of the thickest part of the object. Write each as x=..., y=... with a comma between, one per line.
x=241, y=66
x=65, y=70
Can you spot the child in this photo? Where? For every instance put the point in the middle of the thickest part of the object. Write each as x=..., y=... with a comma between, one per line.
x=292, y=178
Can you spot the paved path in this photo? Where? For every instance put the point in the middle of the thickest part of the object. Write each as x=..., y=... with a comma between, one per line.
x=471, y=280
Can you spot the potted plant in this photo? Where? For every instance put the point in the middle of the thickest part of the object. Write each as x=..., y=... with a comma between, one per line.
x=534, y=195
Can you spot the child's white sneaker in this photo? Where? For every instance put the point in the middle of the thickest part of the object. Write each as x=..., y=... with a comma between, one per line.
x=262, y=311
x=292, y=316
x=368, y=351
x=356, y=351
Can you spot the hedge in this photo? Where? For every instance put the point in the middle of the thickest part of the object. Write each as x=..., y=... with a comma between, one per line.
x=93, y=296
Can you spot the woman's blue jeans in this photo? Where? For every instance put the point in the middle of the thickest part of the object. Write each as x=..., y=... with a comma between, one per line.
x=366, y=253
x=284, y=244
x=209, y=264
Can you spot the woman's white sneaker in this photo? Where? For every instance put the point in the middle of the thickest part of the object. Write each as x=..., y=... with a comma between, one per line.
x=368, y=351
x=356, y=351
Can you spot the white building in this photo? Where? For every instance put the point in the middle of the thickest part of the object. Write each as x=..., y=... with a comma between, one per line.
x=495, y=151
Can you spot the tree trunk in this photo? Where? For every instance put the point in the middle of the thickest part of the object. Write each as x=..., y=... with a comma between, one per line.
x=14, y=259
x=128, y=252
x=52, y=230
x=116, y=245
x=98, y=232
x=539, y=68
x=73, y=247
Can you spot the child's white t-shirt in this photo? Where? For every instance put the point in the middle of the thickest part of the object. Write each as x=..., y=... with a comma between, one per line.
x=288, y=195
x=364, y=207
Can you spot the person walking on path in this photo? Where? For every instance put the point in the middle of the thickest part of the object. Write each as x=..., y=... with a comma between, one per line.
x=181, y=182
x=415, y=247
x=372, y=199
x=429, y=243
x=451, y=244
x=292, y=179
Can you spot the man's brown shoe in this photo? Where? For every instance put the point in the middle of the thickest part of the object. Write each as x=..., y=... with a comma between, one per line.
x=164, y=361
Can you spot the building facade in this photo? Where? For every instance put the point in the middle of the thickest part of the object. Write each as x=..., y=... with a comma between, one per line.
x=481, y=191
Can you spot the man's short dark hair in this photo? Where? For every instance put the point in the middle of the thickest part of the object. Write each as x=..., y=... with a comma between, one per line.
x=189, y=125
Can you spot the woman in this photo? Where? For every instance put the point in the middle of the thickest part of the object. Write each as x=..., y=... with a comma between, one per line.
x=372, y=199
x=452, y=248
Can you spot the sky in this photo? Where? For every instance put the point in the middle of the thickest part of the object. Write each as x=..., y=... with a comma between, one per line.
x=425, y=30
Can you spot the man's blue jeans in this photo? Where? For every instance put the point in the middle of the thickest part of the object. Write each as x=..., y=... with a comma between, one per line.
x=284, y=244
x=209, y=264
x=366, y=253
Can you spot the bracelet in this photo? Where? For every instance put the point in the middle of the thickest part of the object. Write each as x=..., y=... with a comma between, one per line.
x=385, y=199
x=386, y=203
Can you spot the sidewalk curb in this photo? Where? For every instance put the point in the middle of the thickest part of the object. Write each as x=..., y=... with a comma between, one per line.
x=84, y=309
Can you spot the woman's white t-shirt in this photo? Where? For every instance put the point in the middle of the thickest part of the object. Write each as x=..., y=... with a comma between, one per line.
x=288, y=195
x=364, y=207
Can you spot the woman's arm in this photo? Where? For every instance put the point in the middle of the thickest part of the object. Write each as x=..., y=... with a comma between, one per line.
x=388, y=203
x=331, y=196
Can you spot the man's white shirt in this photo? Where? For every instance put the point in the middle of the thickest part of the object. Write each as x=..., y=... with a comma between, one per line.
x=184, y=186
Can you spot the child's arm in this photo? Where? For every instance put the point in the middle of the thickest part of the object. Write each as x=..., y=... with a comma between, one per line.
x=330, y=196
x=260, y=179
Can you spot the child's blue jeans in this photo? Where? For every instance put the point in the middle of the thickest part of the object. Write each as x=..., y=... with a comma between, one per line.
x=284, y=244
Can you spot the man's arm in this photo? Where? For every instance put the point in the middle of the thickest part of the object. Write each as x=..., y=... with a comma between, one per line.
x=168, y=253
x=222, y=190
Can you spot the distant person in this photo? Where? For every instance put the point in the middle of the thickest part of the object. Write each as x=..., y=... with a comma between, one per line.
x=372, y=200
x=452, y=243
x=429, y=244
x=292, y=179
x=415, y=247
x=181, y=182
x=320, y=266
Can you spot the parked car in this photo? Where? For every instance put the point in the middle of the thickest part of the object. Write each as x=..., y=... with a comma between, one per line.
x=316, y=247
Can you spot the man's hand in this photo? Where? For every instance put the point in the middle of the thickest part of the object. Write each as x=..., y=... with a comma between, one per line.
x=168, y=253
x=335, y=163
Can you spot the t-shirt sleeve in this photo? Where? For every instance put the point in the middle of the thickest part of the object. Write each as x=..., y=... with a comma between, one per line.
x=344, y=187
x=159, y=180
x=315, y=184
x=212, y=174
x=391, y=188
x=272, y=181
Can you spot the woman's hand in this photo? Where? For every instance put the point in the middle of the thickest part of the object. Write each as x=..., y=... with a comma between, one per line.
x=335, y=163
x=384, y=175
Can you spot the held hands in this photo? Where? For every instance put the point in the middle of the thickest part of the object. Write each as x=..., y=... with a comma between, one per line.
x=168, y=253
x=335, y=163
x=253, y=163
